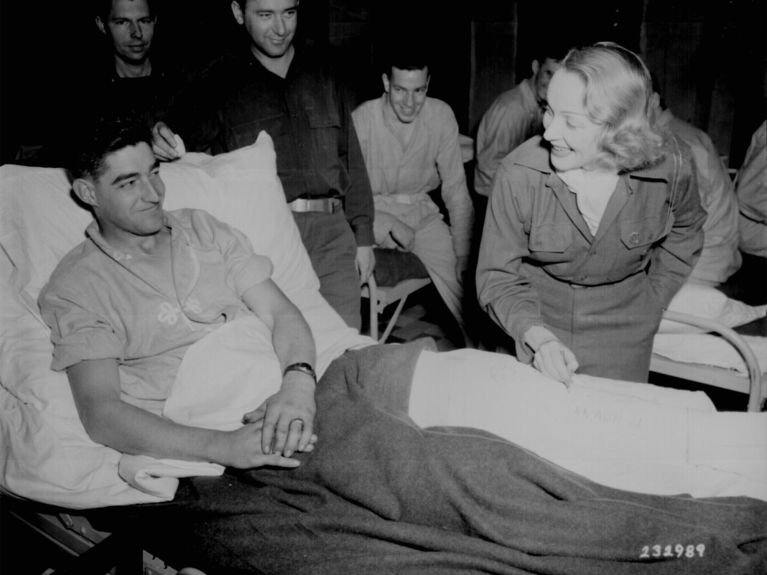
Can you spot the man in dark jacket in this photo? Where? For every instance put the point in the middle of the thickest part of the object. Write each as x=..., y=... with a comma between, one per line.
x=291, y=92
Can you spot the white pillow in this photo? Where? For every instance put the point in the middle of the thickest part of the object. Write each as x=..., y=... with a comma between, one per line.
x=40, y=221
x=242, y=189
x=709, y=303
x=47, y=454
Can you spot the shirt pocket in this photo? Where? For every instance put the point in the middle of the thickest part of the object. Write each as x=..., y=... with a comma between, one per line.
x=213, y=290
x=245, y=133
x=550, y=238
x=327, y=147
x=645, y=232
x=248, y=111
x=323, y=118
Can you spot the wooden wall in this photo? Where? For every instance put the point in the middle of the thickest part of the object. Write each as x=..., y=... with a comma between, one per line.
x=709, y=57
x=711, y=62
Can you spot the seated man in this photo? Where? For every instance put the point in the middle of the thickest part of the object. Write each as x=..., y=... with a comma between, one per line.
x=720, y=257
x=146, y=284
x=411, y=147
x=751, y=191
x=378, y=494
x=514, y=116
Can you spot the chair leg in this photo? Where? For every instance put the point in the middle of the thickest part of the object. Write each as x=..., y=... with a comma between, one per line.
x=373, y=319
x=373, y=307
x=393, y=320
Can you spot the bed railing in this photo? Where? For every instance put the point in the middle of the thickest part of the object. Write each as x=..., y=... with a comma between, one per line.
x=714, y=375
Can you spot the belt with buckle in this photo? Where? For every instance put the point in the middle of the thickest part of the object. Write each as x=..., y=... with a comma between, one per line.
x=326, y=205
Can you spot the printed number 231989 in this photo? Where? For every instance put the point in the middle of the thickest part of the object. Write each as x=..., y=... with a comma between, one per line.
x=672, y=551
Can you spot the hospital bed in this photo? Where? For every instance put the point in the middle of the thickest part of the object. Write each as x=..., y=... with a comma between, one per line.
x=40, y=538
x=83, y=498
x=47, y=457
x=709, y=338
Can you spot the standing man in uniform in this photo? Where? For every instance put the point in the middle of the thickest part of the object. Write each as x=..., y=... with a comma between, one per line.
x=289, y=90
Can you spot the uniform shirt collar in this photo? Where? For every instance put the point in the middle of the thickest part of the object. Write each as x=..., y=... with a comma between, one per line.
x=539, y=161
x=94, y=233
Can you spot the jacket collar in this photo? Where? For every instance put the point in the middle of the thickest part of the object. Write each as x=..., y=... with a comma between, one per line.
x=538, y=160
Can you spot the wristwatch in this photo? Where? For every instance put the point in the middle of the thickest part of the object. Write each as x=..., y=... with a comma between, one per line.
x=303, y=367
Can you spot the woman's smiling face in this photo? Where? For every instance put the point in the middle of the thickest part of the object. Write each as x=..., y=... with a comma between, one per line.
x=572, y=135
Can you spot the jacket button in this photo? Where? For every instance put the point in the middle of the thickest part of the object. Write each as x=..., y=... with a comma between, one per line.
x=634, y=238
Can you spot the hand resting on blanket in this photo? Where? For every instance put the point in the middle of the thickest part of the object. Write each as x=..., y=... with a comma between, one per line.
x=381, y=494
x=625, y=435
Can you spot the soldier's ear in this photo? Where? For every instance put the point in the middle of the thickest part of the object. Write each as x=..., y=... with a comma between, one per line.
x=85, y=191
x=101, y=25
x=237, y=12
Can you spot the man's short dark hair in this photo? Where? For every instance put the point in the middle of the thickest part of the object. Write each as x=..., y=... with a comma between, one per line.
x=105, y=136
x=550, y=48
x=405, y=56
x=244, y=3
x=102, y=8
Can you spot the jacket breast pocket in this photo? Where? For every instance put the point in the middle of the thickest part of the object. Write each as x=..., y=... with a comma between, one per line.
x=645, y=232
x=550, y=238
x=322, y=119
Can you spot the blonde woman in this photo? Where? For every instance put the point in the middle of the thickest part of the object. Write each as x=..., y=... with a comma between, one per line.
x=592, y=228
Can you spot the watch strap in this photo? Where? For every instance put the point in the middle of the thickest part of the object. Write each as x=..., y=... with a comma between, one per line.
x=303, y=367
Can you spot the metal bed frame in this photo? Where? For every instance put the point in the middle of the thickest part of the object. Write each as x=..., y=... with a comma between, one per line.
x=754, y=384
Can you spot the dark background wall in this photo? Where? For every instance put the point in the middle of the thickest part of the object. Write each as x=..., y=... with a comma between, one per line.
x=709, y=57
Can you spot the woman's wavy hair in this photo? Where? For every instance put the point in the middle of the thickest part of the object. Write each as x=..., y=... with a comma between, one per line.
x=618, y=93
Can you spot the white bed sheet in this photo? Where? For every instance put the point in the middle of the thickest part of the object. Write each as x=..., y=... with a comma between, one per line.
x=631, y=436
x=627, y=435
x=689, y=344
x=711, y=350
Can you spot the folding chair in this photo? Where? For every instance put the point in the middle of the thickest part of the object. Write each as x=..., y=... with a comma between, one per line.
x=381, y=297
x=397, y=275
